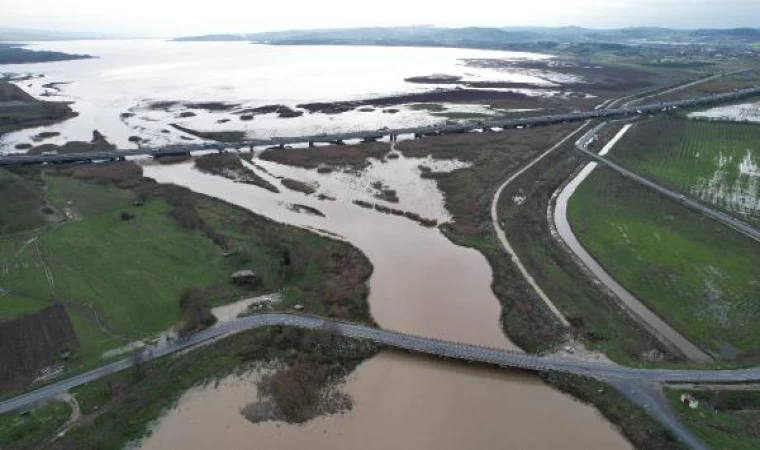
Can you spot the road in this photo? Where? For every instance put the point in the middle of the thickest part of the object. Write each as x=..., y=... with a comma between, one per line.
x=736, y=224
x=415, y=344
x=503, y=237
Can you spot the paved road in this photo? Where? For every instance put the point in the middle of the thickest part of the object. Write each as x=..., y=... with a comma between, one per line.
x=503, y=237
x=722, y=217
x=416, y=344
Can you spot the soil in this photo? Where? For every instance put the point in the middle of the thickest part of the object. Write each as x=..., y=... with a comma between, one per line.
x=32, y=343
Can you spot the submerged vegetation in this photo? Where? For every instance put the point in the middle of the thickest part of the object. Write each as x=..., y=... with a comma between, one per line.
x=121, y=408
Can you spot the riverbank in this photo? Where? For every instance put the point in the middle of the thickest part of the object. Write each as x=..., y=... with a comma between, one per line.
x=97, y=221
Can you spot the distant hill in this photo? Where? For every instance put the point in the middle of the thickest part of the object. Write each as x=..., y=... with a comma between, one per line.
x=483, y=37
x=17, y=54
x=27, y=35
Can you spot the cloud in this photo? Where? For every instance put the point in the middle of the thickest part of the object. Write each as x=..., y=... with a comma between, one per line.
x=175, y=17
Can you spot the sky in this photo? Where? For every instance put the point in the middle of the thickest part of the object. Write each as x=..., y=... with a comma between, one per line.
x=162, y=18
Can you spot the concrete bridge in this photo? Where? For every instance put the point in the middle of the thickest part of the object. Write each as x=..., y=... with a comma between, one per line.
x=392, y=134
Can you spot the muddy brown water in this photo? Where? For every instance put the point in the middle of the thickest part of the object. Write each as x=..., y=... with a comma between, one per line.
x=421, y=284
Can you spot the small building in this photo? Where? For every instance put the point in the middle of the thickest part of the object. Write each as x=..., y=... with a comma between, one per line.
x=246, y=277
x=690, y=401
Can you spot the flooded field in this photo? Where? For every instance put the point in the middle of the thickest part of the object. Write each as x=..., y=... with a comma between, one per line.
x=665, y=332
x=422, y=284
x=139, y=87
x=745, y=112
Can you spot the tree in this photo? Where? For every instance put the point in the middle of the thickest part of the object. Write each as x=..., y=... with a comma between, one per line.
x=139, y=360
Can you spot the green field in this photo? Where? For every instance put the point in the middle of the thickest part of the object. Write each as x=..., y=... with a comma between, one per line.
x=121, y=280
x=700, y=276
x=721, y=424
x=34, y=428
x=594, y=316
x=717, y=162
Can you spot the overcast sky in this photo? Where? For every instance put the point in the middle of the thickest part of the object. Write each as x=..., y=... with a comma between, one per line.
x=192, y=17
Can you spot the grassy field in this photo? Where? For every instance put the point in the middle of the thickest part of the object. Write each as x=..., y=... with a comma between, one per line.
x=35, y=113
x=121, y=280
x=717, y=162
x=33, y=429
x=595, y=316
x=724, y=419
x=698, y=275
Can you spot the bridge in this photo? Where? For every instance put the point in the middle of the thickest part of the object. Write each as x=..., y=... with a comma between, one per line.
x=639, y=385
x=392, y=134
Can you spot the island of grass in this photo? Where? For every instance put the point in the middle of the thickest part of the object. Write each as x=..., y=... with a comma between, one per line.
x=220, y=136
x=118, y=251
x=697, y=274
x=17, y=54
x=721, y=418
x=231, y=166
x=431, y=107
x=20, y=110
x=716, y=162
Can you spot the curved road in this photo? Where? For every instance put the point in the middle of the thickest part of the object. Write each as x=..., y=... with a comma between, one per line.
x=503, y=237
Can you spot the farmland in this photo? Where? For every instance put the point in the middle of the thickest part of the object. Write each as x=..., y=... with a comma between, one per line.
x=698, y=275
x=716, y=162
x=118, y=259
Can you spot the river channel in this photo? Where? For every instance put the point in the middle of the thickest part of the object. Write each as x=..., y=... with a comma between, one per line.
x=422, y=284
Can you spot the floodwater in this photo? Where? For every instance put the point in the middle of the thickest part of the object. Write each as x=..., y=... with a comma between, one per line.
x=662, y=330
x=421, y=284
x=129, y=75
x=400, y=402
